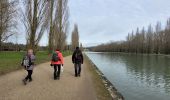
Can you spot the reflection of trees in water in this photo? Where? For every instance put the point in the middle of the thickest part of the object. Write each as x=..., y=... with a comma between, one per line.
x=166, y=75
x=149, y=69
x=93, y=56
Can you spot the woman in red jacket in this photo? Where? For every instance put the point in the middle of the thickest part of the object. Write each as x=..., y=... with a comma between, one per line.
x=57, y=61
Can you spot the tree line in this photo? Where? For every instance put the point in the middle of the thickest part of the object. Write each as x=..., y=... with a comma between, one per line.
x=38, y=17
x=150, y=40
x=19, y=47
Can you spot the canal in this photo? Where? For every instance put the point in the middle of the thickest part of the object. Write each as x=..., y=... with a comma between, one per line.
x=137, y=77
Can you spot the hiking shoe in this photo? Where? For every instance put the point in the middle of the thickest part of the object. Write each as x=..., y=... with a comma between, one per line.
x=79, y=75
x=58, y=78
x=24, y=81
x=30, y=80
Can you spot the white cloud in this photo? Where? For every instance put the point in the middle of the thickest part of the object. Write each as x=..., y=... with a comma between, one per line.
x=105, y=20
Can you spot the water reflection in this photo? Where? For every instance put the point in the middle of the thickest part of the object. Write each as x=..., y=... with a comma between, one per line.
x=149, y=70
x=141, y=72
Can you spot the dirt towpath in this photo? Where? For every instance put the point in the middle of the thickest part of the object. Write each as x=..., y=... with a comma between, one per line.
x=43, y=87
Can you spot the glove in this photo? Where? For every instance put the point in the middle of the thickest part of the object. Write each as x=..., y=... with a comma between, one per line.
x=51, y=64
x=25, y=67
x=62, y=64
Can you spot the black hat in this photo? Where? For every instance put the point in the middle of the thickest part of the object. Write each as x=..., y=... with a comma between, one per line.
x=77, y=48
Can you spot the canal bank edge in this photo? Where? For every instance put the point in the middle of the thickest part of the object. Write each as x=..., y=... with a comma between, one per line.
x=115, y=95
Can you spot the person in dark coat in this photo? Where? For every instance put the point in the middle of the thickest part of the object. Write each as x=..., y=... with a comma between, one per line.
x=77, y=59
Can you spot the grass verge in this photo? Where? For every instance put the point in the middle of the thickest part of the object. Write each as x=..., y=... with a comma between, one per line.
x=10, y=60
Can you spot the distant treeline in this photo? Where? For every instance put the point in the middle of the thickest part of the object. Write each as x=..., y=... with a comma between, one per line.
x=153, y=40
x=17, y=47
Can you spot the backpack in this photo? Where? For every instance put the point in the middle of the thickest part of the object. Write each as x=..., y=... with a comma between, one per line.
x=55, y=57
x=27, y=61
x=78, y=56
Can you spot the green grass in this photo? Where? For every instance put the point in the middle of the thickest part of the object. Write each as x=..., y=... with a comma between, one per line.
x=10, y=61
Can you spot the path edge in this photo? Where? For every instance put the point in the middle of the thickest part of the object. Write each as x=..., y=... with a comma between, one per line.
x=114, y=93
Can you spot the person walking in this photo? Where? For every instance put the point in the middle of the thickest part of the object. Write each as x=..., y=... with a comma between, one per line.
x=57, y=61
x=28, y=63
x=77, y=59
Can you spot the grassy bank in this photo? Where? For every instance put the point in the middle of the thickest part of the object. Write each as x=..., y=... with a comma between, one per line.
x=10, y=61
x=102, y=92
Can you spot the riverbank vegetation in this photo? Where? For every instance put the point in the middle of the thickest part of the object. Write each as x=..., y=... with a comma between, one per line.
x=151, y=40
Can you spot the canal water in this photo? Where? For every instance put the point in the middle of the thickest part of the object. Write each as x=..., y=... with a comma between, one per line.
x=137, y=77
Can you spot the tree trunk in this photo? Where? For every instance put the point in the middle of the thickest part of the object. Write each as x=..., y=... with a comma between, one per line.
x=32, y=44
x=50, y=41
x=0, y=43
x=1, y=33
x=60, y=24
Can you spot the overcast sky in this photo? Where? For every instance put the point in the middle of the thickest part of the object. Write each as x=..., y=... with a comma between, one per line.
x=101, y=21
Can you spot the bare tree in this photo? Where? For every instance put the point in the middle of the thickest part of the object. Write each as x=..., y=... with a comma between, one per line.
x=167, y=37
x=75, y=37
x=59, y=24
x=157, y=37
x=149, y=39
x=153, y=41
x=81, y=46
x=51, y=4
x=143, y=42
x=7, y=21
x=35, y=21
x=137, y=41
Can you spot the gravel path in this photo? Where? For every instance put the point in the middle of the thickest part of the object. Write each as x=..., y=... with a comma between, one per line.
x=43, y=87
